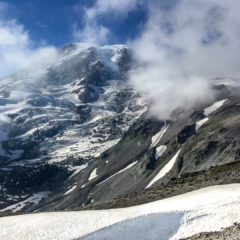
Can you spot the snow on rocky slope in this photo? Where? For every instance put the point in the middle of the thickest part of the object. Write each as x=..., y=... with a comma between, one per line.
x=79, y=132
x=205, y=210
x=70, y=110
x=62, y=116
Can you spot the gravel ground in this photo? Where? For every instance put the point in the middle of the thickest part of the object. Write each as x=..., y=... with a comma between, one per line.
x=230, y=233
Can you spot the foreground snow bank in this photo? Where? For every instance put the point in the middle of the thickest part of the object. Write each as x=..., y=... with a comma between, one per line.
x=205, y=210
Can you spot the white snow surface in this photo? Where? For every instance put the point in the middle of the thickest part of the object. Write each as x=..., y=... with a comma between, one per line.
x=208, y=111
x=205, y=210
x=70, y=190
x=214, y=107
x=160, y=150
x=157, y=138
x=77, y=169
x=200, y=123
x=93, y=175
x=123, y=170
x=164, y=170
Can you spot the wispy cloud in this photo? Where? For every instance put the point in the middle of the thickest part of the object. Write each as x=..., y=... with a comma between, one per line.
x=94, y=31
x=181, y=48
x=17, y=50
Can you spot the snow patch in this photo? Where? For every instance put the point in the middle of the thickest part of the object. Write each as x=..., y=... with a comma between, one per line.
x=164, y=170
x=200, y=123
x=35, y=199
x=126, y=168
x=159, y=151
x=77, y=169
x=156, y=138
x=70, y=190
x=93, y=175
x=214, y=107
x=78, y=147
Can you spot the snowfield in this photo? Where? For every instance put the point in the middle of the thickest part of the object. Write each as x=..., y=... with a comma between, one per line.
x=208, y=111
x=93, y=175
x=157, y=138
x=205, y=210
x=167, y=168
x=160, y=151
x=200, y=123
x=126, y=168
x=214, y=107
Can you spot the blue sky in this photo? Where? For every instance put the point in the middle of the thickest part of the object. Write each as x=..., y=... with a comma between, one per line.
x=53, y=21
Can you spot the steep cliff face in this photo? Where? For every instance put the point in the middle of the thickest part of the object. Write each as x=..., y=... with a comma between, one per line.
x=76, y=134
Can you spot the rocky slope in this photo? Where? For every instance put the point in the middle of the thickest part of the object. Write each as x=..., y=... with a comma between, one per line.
x=157, y=159
x=230, y=233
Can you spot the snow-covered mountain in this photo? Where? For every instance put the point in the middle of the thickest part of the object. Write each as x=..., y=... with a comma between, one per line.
x=75, y=108
x=75, y=135
x=55, y=119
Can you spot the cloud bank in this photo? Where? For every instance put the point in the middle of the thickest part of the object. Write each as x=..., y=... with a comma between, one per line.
x=181, y=48
x=183, y=45
x=17, y=50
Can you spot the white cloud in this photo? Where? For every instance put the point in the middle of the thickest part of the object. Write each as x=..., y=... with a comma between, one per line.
x=17, y=50
x=119, y=7
x=96, y=33
x=92, y=33
x=182, y=48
